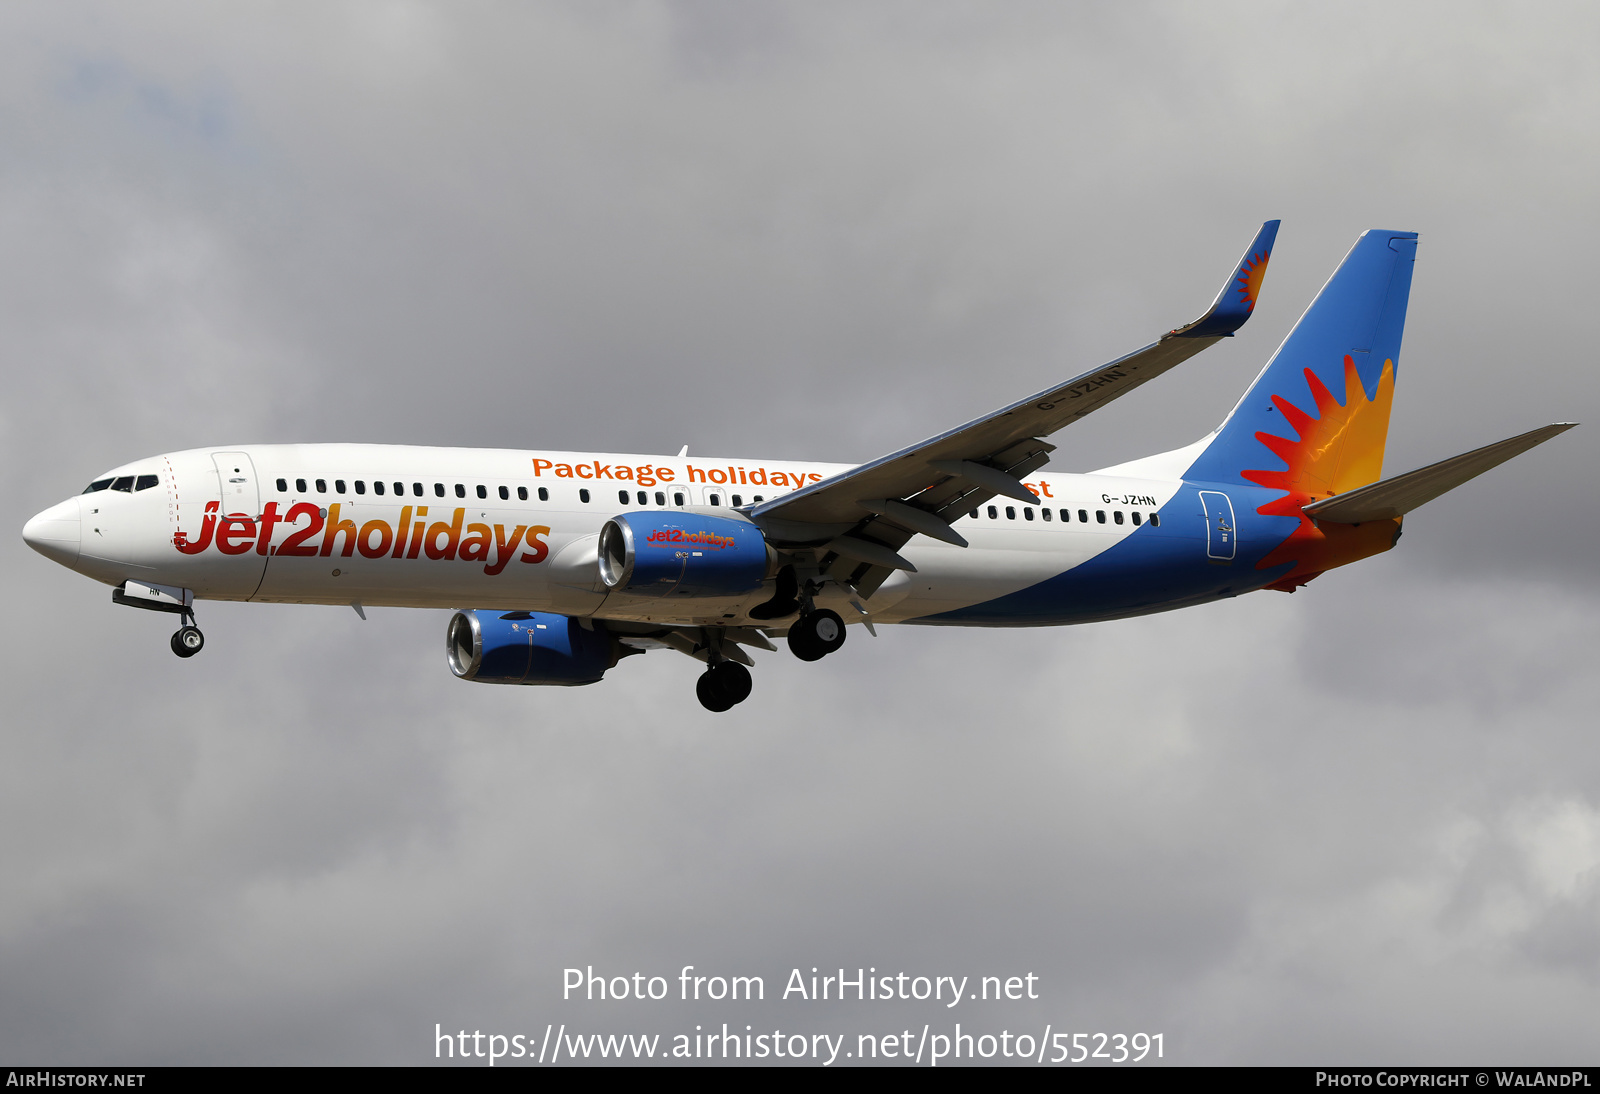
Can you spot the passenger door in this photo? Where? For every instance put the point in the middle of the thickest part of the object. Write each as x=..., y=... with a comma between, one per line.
x=1221, y=538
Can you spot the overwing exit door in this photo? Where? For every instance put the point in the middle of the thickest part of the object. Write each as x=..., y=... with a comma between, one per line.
x=1221, y=539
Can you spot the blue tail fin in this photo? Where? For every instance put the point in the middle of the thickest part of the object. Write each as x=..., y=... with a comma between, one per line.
x=1316, y=419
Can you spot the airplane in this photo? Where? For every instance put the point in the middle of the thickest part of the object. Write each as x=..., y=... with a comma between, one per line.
x=593, y=557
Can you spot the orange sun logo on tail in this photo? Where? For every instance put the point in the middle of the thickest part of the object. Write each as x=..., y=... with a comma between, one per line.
x=1338, y=449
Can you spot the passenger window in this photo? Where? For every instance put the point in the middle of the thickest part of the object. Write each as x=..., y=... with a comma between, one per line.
x=1117, y=516
x=125, y=484
x=1011, y=512
x=283, y=486
x=361, y=486
x=714, y=499
x=338, y=486
x=483, y=492
x=1083, y=516
x=461, y=491
x=642, y=499
x=322, y=486
x=993, y=512
x=101, y=484
x=299, y=486
x=661, y=497
x=737, y=500
x=1155, y=520
x=1135, y=516
x=1045, y=513
x=522, y=493
x=416, y=489
x=1100, y=516
x=544, y=495
x=677, y=498
x=438, y=489
x=1066, y=516
x=622, y=496
x=583, y=496
x=505, y=495
x=974, y=514
x=400, y=488
x=1027, y=513
x=377, y=487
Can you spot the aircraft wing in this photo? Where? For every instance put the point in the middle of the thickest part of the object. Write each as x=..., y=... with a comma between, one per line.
x=921, y=489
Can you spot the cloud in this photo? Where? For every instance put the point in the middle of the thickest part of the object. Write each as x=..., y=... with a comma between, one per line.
x=1354, y=824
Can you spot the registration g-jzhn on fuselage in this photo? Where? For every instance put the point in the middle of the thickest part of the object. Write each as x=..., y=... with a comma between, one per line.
x=586, y=558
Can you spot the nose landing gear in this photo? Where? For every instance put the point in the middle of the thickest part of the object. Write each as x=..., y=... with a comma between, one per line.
x=816, y=634
x=188, y=640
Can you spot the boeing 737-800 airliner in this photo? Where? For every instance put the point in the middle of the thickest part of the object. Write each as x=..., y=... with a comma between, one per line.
x=588, y=558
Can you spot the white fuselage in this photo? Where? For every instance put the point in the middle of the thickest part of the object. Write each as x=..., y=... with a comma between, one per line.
x=451, y=527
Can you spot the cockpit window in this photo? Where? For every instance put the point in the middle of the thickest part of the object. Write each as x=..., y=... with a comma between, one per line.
x=146, y=482
x=125, y=484
x=96, y=486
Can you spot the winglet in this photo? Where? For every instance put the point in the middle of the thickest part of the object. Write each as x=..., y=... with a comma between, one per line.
x=1237, y=299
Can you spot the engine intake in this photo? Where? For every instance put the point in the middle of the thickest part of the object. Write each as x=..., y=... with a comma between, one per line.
x=676, y=554
x=527, y=648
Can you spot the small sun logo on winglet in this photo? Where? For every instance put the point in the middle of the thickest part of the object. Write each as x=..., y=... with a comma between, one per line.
x=1248, y=283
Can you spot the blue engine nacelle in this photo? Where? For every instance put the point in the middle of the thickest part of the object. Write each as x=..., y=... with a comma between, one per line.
x=676, y=554
x=527, y=648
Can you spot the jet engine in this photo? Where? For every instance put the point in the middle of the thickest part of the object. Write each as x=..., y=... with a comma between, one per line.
x=678, y=554
x=528, y=648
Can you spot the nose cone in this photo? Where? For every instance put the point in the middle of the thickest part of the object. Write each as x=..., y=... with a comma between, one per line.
x=54, y=533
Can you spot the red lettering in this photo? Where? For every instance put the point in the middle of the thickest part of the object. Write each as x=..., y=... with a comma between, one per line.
x=563, y=471
x=505, y=548
x=405, y=527
x=337, y=527
x=452, y=536
x=540, y=550
x=665, y=474
x=208, y=527
x=269, y=517
x=245, y=532
x=718, y=475
x=295, y=544
x=540, y=466
x=693, y=473
x=475, y=546
x=762, y=481
x=364, y=540
x=602, y=470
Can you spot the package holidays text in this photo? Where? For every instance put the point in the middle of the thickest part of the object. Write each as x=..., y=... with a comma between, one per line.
x=651, y=474
x=864, y=984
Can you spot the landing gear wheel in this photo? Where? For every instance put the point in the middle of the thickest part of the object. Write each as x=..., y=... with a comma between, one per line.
x=816, y=635
x=723, y=686
x=188, y=641
x=828, y=628
x=733, y=679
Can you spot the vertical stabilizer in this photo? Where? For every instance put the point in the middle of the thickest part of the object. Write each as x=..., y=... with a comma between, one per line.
x=1315, y=421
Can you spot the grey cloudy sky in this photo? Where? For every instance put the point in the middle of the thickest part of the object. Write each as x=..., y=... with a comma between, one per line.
x=1359, y=824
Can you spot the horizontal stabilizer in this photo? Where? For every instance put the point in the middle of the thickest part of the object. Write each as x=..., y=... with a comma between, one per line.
x=1395, y=497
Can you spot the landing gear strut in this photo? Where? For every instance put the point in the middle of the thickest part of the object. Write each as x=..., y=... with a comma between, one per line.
x=723, y=686
x=816, y=634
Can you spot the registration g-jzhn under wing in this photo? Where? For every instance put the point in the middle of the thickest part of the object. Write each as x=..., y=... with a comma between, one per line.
x=587, y=558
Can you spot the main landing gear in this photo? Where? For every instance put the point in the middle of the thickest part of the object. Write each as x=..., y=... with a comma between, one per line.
x=816, y=634
x=723, y=686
